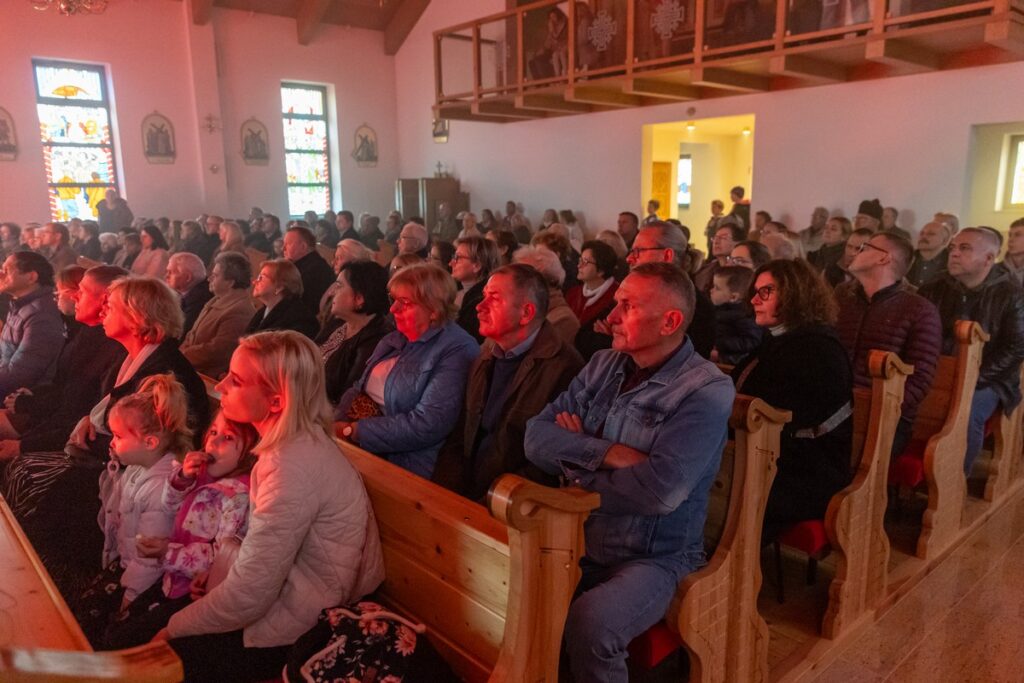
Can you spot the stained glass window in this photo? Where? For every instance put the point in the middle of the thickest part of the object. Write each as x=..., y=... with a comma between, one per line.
x=78, y=146
x=306, y=144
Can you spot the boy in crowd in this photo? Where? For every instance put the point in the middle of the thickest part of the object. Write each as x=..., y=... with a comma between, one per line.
x=736, y=333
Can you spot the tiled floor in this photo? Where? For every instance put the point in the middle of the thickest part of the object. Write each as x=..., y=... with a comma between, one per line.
x=964, y=622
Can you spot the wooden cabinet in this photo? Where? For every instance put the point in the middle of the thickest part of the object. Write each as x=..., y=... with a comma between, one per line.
x=421, y=197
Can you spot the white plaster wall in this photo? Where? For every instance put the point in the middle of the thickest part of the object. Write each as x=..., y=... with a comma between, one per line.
x=904, y=140
x=145, y=46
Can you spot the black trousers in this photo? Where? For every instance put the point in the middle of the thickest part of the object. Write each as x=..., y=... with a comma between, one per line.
x=224, y=658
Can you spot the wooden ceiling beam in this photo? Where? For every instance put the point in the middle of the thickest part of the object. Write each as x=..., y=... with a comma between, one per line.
x=900, y=53
x=505, y=109
x=311, y=13
x=661, y=89
x=602, y=96
x=807, y=68
x=463, y=112
x=726, y=79
x=552, y=103
x=201, y=11
x=403, y=19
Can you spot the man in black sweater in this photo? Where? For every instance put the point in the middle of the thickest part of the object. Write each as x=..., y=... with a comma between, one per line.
x=317, y=275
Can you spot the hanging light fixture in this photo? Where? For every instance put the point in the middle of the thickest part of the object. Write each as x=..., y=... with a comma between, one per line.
x=70, y=7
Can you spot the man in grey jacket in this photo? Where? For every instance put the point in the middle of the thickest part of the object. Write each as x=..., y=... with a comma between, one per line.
x=33, y=333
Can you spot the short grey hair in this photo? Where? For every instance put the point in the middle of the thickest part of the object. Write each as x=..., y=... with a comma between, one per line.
x=191, y=263
x=544, y=261
x=670, y=236
x=419, y=232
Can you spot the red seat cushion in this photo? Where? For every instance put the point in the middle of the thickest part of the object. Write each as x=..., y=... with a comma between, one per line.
x=652, y=646
x=907, y=469
x=808, y=536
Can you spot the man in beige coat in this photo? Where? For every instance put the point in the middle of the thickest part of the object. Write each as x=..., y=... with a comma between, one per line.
x=211, y=341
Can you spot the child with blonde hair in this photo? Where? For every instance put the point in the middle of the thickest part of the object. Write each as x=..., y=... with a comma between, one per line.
x=150, y=432
x=210, y=491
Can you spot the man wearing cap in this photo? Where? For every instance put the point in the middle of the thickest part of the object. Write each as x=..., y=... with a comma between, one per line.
x=869, y=215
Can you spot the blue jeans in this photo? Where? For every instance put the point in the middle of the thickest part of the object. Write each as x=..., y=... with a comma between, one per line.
x=983, y=405
x=613, y=606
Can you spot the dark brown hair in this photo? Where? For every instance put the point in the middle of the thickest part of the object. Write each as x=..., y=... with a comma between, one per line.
x=803, y=295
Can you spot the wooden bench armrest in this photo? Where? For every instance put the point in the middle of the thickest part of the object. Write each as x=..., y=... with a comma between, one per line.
x=715, y=608
x=854, y=520
x=150, y=663
x=545, y=534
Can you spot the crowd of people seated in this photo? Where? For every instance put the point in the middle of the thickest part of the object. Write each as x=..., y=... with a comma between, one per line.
x=603, y=359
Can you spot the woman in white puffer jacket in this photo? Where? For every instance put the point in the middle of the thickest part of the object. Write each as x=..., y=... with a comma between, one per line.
x=312, y=541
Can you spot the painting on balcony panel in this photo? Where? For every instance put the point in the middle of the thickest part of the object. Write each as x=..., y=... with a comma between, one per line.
x=600, y=36
x=68, y=83
x=808, y=16
x=546, y=42
x=744, y=21
x=664, y=28
x=301, y=101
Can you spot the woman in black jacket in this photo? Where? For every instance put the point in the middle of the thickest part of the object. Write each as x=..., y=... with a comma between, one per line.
x=361, y=303
x=801, y=366
x=279, y=288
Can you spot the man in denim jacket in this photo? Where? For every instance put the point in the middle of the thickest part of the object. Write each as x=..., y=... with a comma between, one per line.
x=644, y=425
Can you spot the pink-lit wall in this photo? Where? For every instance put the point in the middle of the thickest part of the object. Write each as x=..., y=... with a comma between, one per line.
x=905, y=140
x=232, y=68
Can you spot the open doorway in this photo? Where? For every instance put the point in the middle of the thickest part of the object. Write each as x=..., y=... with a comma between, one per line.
x=688, y=164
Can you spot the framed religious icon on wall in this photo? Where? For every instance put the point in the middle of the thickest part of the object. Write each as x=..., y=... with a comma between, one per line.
x=255, y=146
x=365, y=149
x=440, y=130
x=8, y=140
x=158, y=139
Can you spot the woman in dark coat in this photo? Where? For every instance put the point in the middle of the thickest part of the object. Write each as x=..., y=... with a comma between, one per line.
x=801, y=366
x=361, y=303
x=279, y=288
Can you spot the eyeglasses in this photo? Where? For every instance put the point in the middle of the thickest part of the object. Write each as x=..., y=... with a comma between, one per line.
x=868, y=245
x=635, y=251
x=764, y=293
x=587, y=262
x=739, y=261
x=458, y=257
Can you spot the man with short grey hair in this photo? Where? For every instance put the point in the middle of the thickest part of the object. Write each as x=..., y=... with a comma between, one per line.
x=413, y=240
x=974, y=289
x=931, y=255
x=186, y=275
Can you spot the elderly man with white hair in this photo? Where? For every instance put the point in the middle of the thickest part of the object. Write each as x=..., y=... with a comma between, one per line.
x=186, y=275
x=414, y=240
x=560, y=315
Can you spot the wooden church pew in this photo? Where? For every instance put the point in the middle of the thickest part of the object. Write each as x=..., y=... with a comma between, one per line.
x=1006, y=467
x=855, y=519
x=493, y=588
x=40, y=641
x=940, y=441
x=714, y=612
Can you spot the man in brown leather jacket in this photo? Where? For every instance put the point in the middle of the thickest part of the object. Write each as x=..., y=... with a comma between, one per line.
x=976, y=290
x=523, y=365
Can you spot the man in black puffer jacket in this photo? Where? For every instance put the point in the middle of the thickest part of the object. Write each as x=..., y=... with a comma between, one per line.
x=975, y=290
x=878, y=310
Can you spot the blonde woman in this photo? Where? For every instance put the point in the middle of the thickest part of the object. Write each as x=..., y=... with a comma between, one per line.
x=279, y=288
x=312, y=541
x=411, y=393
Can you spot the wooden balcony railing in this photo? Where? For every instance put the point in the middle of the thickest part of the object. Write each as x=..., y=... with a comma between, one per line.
x=557, y=57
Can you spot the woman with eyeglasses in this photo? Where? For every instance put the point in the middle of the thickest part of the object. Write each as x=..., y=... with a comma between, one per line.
x=474, y=260
x=802, y=367
x=594, y=298
x=410, y=395
x=279, y=288
x=749, y=254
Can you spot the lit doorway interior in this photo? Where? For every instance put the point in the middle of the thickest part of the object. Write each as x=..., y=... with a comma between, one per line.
x=687, y=164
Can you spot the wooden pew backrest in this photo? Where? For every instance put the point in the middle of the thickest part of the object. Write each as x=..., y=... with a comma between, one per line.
x=854, y=521
x=714, y=612
x=492, y=588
